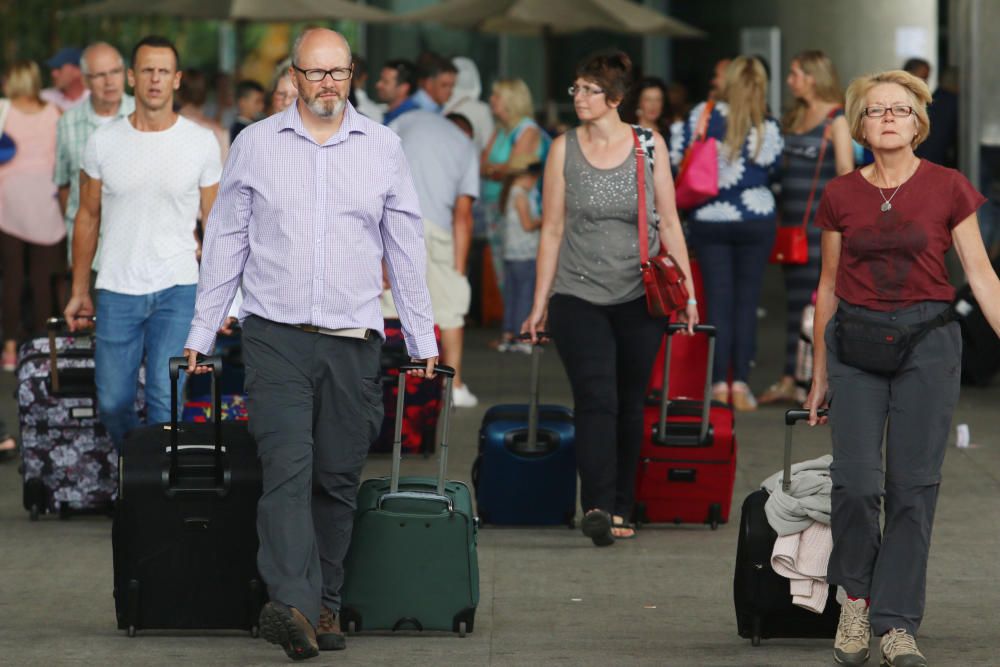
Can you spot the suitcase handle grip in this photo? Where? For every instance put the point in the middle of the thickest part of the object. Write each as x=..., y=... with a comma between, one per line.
x=416, y=495
x=799, y=415
x=792, y=417
x=447, y=371
x=677, y=327
x=178, y=363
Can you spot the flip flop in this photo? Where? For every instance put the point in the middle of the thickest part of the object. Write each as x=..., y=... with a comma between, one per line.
x=619, y=523
x=596, y=525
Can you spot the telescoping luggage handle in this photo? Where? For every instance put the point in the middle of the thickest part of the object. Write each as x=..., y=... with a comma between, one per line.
x=792, y=417
x=177, y=364
x=397, y=442
x=542, y=337
x=56, y=325
x=706, y=407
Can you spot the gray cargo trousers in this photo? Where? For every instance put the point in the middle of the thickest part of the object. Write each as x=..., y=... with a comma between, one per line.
x=315, y=406
x=890, y=565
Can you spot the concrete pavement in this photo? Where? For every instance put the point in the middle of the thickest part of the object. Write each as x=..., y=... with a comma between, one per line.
x=548, y=596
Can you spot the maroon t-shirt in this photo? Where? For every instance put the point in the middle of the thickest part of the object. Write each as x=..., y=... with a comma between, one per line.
x=893, y=259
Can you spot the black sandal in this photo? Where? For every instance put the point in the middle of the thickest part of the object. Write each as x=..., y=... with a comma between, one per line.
x=596, y=525
x=619, y=523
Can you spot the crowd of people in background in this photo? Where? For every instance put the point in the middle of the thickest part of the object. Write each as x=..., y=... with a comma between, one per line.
x=555, y=210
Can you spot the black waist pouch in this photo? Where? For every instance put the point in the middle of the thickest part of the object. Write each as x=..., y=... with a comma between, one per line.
x=877, y=346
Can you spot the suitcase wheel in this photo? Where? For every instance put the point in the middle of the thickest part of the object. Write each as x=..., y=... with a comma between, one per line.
x=715, y=515
x=33, y=513
x=352, y=627
x=755, y=641
x=755, y=635
x=461, y=629
x=131, y=631
x=255, y=632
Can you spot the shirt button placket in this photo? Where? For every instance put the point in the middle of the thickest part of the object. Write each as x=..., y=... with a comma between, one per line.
x=319, y=225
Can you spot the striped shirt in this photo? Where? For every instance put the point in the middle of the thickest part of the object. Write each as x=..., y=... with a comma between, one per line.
x=306, y=227
x=75, y=127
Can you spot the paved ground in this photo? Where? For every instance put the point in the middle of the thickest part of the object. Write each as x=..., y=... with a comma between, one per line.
x=548, y=596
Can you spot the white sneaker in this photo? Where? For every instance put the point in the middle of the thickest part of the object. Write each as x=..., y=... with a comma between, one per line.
x=523, y=348
x=461, y=397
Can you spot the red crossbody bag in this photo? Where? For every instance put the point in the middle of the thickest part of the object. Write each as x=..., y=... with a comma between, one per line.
x=662, y=278
x=791, y=245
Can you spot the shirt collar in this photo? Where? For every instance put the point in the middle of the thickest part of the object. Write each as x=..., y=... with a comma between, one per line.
x=352, y=122
x=424, y=101
x=124, y=109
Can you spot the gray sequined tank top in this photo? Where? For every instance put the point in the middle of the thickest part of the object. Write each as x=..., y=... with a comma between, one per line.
x=599, y=255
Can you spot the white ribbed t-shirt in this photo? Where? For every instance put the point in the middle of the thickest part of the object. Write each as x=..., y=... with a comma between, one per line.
x=150, y=195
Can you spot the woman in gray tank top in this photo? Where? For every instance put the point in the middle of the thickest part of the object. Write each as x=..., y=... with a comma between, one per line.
x=588, y=263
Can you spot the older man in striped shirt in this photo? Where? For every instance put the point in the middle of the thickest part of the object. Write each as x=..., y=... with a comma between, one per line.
x=311, y=201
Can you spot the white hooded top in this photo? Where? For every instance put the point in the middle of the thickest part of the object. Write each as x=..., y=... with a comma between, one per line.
x=465, y=100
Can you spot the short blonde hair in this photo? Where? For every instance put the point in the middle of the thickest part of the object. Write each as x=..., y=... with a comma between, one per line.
x=23, y=79
x=516, y=98
x=919, y=93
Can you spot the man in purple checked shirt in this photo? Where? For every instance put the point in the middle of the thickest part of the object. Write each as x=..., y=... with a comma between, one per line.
x=311, y=201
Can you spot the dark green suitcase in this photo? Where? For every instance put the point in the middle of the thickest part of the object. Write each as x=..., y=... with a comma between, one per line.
x=412, y=564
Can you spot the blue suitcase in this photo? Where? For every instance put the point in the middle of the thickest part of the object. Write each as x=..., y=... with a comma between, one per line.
x=525, y=473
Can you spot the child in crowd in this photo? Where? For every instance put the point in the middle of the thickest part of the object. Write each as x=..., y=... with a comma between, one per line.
x=519, y=202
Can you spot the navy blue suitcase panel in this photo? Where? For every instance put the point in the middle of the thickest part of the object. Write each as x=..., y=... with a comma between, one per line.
x=519, y=485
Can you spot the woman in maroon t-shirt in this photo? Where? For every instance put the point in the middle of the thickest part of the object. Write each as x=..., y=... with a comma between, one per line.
x=886, y=229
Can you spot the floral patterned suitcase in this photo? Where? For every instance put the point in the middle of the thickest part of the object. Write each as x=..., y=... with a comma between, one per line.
x=423, y=399
x=69, y=462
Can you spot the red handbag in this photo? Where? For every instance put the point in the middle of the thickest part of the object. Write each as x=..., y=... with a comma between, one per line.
x=698, y=175
x=662, y=278
x=791, y=245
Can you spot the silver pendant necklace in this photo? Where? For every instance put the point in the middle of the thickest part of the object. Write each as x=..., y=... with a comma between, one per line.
x=887, y=203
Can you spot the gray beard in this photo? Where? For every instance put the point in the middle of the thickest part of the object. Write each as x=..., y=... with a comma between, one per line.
x=326, y=110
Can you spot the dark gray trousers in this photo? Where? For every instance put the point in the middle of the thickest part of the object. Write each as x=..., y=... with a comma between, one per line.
x=315, y=406
x=890, y=565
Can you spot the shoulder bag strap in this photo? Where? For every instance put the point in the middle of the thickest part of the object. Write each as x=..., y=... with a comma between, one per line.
x=640, y=177
x=827, y=124
x=700, y=131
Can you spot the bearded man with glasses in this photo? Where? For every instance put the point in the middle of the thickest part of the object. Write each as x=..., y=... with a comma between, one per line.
x=313, y=199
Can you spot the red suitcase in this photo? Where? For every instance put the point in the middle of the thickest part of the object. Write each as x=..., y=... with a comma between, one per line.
x=687, y=465
x=690, y=355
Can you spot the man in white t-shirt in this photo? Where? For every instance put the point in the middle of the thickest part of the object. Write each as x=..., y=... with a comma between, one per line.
x=144, y=180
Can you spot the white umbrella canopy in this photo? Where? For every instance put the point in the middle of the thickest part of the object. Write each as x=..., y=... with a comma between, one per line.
x=250, y=10
x=534, y=17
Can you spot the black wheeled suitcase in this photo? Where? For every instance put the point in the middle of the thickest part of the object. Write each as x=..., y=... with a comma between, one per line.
x=185, y=536
x=980, y=345
x=764, y=608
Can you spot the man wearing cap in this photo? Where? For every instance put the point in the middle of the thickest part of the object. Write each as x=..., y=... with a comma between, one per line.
x=104, y=72
x=67, y=89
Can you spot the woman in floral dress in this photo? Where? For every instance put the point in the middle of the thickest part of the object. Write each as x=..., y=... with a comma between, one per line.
x=732, y=234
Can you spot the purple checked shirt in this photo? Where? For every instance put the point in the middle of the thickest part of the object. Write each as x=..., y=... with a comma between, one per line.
x=307, y=226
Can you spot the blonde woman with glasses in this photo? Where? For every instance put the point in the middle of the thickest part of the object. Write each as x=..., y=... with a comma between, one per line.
x=817, y=148
x=886, y=229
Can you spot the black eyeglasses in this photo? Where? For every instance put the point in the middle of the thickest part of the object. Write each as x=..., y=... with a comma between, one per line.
x=897, y=110
x=315, y=75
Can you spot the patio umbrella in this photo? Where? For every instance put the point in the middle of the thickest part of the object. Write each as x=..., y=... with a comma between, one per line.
x=249, y=10
x=535, y=17
x=551, y=17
